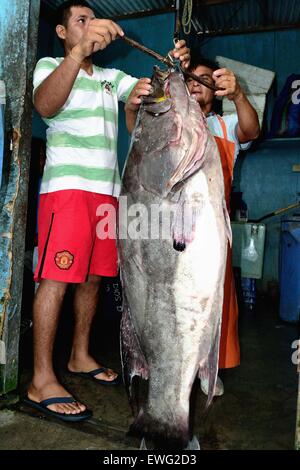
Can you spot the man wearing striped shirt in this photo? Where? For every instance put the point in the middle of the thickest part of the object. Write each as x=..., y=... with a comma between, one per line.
x=79, y=102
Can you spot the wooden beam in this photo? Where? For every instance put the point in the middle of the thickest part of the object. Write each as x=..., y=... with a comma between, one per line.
x=214, y=2
x=252, y=29
x=18, y=34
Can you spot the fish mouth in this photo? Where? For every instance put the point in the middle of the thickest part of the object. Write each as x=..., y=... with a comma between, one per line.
x=161, y=74
x=158, y=102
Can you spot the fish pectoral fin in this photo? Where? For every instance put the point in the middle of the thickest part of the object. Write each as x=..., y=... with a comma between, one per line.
x=193, y=444
x=191, y=162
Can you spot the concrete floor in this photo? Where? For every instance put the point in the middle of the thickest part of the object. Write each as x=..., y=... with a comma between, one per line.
x=257, y=411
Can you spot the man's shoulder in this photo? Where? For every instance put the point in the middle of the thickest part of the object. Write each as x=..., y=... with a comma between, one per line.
x=51, y=59
x=230, y=118
x=227, y=118
x=214, y=122
x=230, y=121
x=48, y=62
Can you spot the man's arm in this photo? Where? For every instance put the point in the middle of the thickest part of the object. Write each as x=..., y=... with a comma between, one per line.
x=52, y=94
x=143, y=87
x=248, y=124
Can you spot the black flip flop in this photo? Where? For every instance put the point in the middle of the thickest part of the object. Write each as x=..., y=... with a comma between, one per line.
x=42, y=406
x=92, y=376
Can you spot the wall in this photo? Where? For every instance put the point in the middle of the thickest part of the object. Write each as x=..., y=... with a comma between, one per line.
x=275, y=51
x=267, y=181
x=265, y=174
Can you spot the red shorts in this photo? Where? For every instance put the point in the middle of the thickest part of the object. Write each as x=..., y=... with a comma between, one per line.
x=70, y=241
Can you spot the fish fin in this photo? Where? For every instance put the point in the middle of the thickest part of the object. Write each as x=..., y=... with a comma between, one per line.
x=143, y=444
x=133, y=359
x=192, y=161
x=227, y=224
x=210, y=374
x=209, y=367
x=184, y=223
x=193, y=444
x=179, y=246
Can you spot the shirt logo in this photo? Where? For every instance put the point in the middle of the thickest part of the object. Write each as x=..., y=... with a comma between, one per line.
x=64, y=260
x=107, y=87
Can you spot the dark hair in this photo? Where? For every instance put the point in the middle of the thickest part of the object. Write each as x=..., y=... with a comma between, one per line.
x=196, y=61
x=63, y=12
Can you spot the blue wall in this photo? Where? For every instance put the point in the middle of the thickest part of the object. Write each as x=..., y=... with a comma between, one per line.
x=271, y=50
x=277, y=51
x=267, y=181
x=265, y=174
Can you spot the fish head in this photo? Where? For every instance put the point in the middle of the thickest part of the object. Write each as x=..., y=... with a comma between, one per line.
x=158, y=101
x=170, y=134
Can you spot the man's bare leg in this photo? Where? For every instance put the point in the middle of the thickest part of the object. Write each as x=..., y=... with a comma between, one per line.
x=46, y=311
x=85, y=304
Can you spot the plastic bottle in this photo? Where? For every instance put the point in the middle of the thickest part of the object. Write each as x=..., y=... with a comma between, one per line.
x=240, y=208
x=248, y=285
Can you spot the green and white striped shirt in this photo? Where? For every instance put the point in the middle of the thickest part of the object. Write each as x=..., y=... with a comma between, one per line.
x=82, y=136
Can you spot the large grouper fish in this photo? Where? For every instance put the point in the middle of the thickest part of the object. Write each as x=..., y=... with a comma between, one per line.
x=173, y=235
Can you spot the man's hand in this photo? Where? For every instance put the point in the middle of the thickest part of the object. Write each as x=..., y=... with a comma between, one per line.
x=97, y=36
x=142, y=88
x=182, y=53
x=226, y=79
x=248, y=124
